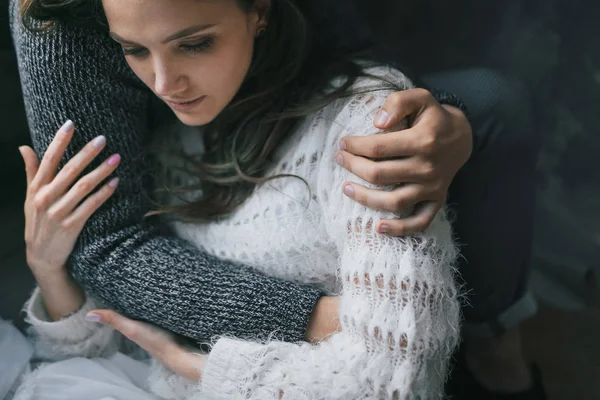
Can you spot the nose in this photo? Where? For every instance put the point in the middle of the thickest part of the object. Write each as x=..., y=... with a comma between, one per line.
x=168, y=79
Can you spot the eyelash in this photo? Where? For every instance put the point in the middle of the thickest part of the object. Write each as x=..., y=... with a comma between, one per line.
x=199, y=47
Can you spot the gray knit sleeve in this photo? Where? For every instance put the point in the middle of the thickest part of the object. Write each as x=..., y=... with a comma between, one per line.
x=78, y=73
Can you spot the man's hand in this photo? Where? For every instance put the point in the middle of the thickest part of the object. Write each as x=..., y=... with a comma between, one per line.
x=422, y=159
x=160, y=343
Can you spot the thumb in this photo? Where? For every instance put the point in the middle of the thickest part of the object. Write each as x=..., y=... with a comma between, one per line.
x=31, y=162
x=152, y=339
x=116, y=321
x=400, y=105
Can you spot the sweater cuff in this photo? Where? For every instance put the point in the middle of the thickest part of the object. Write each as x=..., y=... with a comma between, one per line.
x=293, y=311
x=448, y=99
x=229, y=367
x=73, y=328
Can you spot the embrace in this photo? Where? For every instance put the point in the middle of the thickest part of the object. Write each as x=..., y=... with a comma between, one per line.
x=223, y=204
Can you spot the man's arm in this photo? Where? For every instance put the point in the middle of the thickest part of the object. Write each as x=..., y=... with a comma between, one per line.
x=77, y=73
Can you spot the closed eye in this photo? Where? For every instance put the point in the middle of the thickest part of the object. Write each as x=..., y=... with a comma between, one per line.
x=203, y=45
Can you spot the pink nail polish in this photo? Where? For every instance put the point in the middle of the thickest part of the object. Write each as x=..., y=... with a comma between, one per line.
x=66, y=128
x=92, y=318
x=99, y=141
x=114, y=160
x=339, y=160
x=384, y=228
x=113, y=183
x=342, y=145
x=349, y=191
x=382, y=118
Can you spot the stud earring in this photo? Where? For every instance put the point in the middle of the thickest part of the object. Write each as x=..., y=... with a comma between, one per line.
x=260, y=31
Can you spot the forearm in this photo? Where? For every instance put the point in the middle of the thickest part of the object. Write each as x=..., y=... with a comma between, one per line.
x=127, y=264
x=61, y=294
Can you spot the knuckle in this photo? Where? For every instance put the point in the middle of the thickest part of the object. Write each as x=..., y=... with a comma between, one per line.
x=84, y=186
x=67, y=224
x=399, y=203
x=428, y=170
x=375, y=149
x=373, y=175
x=70, y=170
x=41, y=201
x=424, y=93
x=429, y=144
x=53, y=214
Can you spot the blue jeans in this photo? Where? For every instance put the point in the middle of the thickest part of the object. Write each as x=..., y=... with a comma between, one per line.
x=493, y=199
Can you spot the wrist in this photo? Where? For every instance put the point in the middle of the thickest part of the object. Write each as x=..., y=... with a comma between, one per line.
x=461, y=123
x=61, y=294
x=324, y=320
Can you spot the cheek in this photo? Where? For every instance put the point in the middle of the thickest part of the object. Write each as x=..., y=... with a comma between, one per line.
x=142, y=70
x=227, y=71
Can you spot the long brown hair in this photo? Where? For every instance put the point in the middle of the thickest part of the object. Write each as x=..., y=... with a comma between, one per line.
x=289, y=78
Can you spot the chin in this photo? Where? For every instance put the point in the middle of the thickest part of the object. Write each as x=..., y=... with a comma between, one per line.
x=197, y=119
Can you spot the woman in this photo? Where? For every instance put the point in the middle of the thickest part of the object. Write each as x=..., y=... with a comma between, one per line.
x=267, y=174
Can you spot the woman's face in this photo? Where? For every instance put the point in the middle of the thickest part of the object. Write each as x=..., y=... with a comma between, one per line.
x=193, y=54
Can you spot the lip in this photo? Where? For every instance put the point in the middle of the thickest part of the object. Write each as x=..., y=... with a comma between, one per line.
x=184, y=106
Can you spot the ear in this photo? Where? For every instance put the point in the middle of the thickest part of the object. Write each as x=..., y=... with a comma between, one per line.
x=262, y=7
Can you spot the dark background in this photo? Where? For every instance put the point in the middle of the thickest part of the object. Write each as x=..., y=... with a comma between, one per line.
x=553, y=46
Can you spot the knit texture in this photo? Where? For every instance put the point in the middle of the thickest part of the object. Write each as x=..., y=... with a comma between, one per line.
x=399, y=310
x=80, y=74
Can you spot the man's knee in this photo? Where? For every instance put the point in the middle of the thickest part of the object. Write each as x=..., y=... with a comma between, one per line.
x=505, y=108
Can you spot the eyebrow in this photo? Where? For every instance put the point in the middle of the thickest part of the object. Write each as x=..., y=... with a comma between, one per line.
x=181, y=34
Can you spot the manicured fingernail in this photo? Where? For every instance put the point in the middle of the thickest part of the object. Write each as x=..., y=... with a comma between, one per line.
x=92, y=317
x=99, y=141
x=384, y=228
x=339, y=159
x=382, y=118
x=349, y=191
x=66, y=128
x=114, y=160
x=342, y=145
x=113, y=183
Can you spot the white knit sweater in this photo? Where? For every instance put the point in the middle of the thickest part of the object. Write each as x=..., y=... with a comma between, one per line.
x=399, y=311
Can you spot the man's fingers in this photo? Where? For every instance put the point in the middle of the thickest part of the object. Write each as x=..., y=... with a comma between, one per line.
x=400, y=105
x=31, y=162
x=387, y=172
x=416, y=223
x=396, y=144
x=397, y=201
x=54, y=154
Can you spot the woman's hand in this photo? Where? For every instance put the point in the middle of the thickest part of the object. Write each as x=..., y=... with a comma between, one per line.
x=57, y=207
x=424, y=159
x=159, y=343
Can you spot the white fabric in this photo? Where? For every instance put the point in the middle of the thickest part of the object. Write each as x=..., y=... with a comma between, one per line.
x=399, y=309
x=115, y=378
x=15, y=353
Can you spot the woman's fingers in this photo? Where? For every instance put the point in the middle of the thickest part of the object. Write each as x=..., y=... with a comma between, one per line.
x=31, y=162
x=54, y=154
x=156, y=341
x=74, y=167
x=85, y=186
x=82, y=213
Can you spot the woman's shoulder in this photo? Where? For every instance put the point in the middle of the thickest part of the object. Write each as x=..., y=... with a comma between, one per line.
x=365, y=96
x=380, y=77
